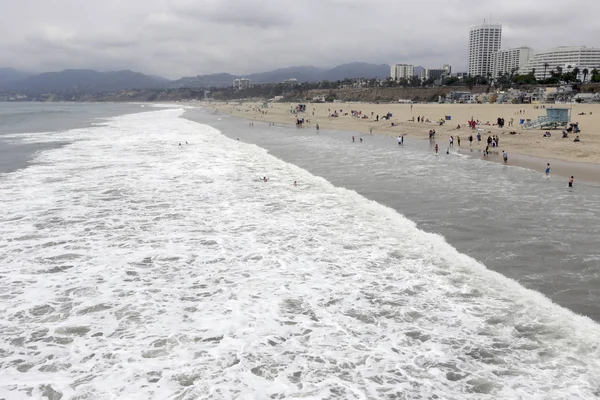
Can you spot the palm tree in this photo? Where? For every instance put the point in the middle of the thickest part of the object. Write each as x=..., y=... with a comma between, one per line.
x=575, y=73
x=546, y=65
x=585, y=73
x=559, y=73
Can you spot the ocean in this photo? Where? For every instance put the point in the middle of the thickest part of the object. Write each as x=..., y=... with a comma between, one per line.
x=141, y=257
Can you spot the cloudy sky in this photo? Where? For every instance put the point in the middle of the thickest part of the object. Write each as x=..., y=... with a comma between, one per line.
x=175, y=38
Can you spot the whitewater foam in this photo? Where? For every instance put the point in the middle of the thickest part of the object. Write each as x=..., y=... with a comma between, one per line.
x=133, y=267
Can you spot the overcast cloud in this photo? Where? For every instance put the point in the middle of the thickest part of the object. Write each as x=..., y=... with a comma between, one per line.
x=175, y=38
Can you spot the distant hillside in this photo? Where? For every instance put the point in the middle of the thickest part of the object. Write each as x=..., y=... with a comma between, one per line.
x=301, y=73
x=90, y=81
x=8, y=75
x=204, y=81
x=356, y=70
x=83, y=80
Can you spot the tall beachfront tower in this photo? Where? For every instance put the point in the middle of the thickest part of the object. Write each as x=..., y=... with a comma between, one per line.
x=484, y=40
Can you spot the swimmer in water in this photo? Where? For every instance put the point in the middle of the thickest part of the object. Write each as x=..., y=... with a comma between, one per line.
x=295, y=184
x=265, y=179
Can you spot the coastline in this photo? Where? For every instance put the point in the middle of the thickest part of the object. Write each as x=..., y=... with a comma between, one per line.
x=527, y=149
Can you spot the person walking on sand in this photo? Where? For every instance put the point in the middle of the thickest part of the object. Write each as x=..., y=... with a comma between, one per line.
x=505, y=156
x=571, y=181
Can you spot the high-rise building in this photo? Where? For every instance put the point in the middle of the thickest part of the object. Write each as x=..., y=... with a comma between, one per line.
x=509, y=60
x=565, y=57
x=400, y=71
x=484, y=40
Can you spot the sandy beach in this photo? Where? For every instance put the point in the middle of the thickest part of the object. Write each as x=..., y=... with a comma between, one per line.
x=562, y=152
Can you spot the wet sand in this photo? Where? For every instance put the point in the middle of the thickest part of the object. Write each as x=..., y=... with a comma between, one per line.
x=527, y=148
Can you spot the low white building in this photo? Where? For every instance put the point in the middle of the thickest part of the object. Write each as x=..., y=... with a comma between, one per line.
x=565, y=57
x=433, y=73
x=505, y=61
x=399, y=71
x=241, y=83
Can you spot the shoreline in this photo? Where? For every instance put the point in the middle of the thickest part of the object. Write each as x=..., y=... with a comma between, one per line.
x=583, y=171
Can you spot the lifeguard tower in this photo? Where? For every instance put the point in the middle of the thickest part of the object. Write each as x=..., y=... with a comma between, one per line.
x=555, y=118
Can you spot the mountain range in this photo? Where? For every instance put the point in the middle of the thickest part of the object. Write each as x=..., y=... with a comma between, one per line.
x=301, y=73
x=90, y=81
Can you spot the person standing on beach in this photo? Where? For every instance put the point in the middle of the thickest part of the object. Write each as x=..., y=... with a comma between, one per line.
x=436, y=148
x=505, y=156
x=470, y=140
x=451, y=141
x=458, y=140
x=478, y=137
x=352, y=139
x=571, y=181
x=548, y=169
x=399, y=141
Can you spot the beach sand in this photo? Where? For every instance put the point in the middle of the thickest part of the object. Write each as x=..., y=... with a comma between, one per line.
x=571, y=158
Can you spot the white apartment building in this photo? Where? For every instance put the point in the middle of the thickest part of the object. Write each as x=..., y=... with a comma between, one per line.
x=484, y=40
x=504, y=61
x=400, y=71
x=566, y=57
x=241, y=83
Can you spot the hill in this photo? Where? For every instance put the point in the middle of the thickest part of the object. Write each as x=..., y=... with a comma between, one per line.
x=301, y=73
x=8, y=75
x=84, y=80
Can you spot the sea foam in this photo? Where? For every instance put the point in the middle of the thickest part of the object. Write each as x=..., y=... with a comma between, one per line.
x=134, y=267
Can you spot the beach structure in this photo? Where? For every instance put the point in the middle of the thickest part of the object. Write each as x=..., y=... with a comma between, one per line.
x=484, y=40
x=555, y=118
x=509, y=60
x=565, y=57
